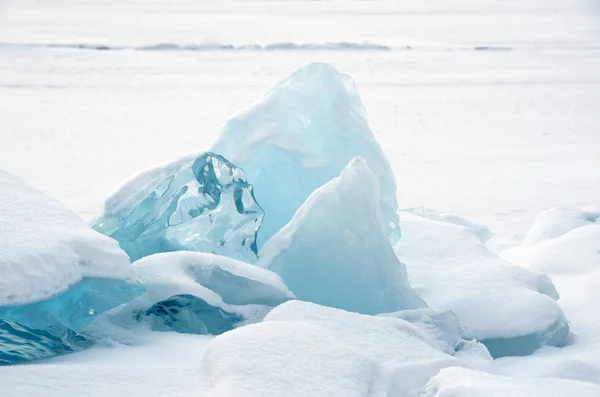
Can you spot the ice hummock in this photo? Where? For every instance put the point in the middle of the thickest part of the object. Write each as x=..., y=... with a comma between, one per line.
x=510, y=309
x=195, y=292
x=198, y=203
x=300, y=136
x=335, y=250
x=56, y=271
x=306, y=350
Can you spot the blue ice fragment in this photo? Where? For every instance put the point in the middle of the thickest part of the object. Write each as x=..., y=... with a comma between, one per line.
x=300, y=136
x=335, y=250
x=198, y=203
x=19, y=343
x=76, y=307
x=189, y=314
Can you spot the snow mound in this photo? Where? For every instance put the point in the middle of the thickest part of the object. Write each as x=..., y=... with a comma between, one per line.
x=463, y=382
x=300, y=136
x=198, y=203
x=560, y=220
x=512, y=310
x=570, y=254
x=202, y=293
x=55, y=268
x=335, y=250
x=311, y=350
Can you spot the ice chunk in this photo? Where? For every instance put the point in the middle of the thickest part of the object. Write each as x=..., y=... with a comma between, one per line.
x=463, y=382
x=335, y=250
x=441, y=326
x=55, y=269
x=510, y=309
x=300, y=136
x=195, y=292
x=311, y=350
x=198, y=203
x=190, y=314
x=19, y=343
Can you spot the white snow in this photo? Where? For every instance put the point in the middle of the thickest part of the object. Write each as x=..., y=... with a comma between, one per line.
x=309, y=350
x=450, y=268
x=462, y=382
x=46, y=248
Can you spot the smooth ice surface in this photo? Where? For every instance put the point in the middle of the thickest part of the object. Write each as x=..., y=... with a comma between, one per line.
x=310, y=350
x=510, y=309
x=335, y=250
x=55, y=269
x=19, y=343
x=301, y=135
x=572, y=258
x=199, y=203
x=463, y=382
x=196, y=292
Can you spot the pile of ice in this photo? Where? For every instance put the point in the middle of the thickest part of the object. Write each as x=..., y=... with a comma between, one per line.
x=56, y=274
x=278, y=242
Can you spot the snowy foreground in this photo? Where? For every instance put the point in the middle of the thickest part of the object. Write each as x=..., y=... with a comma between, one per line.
x=292, y=251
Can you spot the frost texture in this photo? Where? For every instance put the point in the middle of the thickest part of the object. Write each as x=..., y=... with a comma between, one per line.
x=300, y=136
x=198, y=203
x=335, y=250
x=512, y=310
x=200, y=293
x=56, y=271
x=19, y=343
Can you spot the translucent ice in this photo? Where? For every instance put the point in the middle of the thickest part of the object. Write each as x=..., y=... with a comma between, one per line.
x=19, y=343
x=190, y=314
x=54, y=268
x=300, y=136
x=196, y=292
x=335, y=250
x=510, y=309
x=199, y=203
x=55, y=272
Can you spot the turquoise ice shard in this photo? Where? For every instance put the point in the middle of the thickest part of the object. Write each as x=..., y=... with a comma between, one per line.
x=335, y=249
x=56, y=272
x=300, y=136
x=19, y=343
x=197, y=203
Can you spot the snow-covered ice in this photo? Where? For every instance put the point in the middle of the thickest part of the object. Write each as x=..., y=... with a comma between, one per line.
x=200, y=293
x=510, y=309
x=306, y=129
x=310, y=350
x=55, y=268
x=335, y=250
x=463, y=382
x=199, y=203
